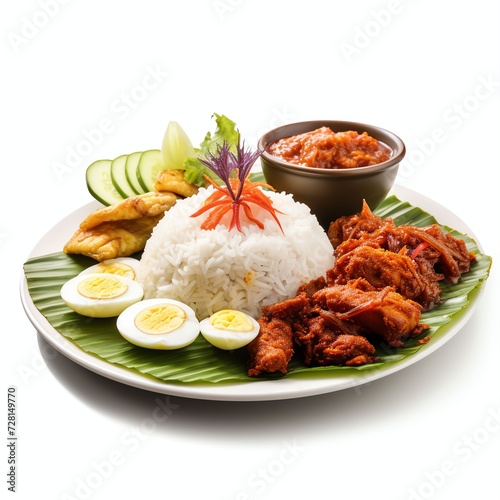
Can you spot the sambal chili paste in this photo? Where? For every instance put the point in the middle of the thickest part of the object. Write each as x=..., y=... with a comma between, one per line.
x=323, y=148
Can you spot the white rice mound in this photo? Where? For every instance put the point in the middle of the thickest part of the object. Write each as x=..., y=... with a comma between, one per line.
x=210, y=270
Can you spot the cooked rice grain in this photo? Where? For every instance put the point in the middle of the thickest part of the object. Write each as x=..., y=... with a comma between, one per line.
x=221, y=269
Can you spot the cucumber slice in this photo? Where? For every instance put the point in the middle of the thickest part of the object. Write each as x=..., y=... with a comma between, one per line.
x=131, y=172
x=99, y=183
x=148, y=167
x=119, y=177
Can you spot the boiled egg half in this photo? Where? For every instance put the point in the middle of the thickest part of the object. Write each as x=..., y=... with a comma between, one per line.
x=122, y=266
x=100, y=295
x=159, y=324
x=229, y=329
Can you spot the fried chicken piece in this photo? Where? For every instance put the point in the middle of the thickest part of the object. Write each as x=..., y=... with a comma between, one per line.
x=287, y=310
x=327, y=340
x=311, y=287
x=355, y=226
x=373, y=240
x=383, y=277
x=272, y=349
x=383, y=268
x=173, y=181
x=449, y=255
x=321, y=336
x=120, y=229
x=453, y=257
x=349, y=350
x=384, y=311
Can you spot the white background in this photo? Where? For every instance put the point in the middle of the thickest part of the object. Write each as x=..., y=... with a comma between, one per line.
x=429, y=71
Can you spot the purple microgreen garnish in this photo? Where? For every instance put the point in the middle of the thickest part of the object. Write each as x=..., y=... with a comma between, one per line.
x=238, y=192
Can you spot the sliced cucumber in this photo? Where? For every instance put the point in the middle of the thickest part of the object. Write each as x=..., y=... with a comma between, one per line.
x=131, y=172
x=148, y=167
x=119, y=177
x=99, y=183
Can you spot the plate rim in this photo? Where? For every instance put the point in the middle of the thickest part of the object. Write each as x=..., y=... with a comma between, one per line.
x=258, y=390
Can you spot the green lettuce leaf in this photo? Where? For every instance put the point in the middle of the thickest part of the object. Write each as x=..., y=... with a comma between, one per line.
x=225, y=132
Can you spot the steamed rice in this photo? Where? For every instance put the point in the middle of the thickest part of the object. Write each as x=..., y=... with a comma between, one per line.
x=222, y=269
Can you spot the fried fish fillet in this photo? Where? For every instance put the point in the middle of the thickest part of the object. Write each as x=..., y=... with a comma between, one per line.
x=143, y=205
x=110, y=240
x=120, y=229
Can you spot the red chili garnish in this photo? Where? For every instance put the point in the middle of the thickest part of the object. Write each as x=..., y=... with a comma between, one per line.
x=419, y=248
x=238, y=192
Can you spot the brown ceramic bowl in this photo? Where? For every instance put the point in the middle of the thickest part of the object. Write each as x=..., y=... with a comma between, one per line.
x=331, y=193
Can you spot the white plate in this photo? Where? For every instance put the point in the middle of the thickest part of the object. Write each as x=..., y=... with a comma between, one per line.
x=286, y=388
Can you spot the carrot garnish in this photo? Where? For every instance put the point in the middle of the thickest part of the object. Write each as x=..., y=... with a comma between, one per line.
x=238, y=192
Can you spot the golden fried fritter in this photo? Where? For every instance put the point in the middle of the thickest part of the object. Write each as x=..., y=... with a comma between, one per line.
x=173, y=181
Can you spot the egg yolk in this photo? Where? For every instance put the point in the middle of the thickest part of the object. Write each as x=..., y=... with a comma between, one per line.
x=235, y=321
x=160, y=319
x=116, y=268
x=101, y=287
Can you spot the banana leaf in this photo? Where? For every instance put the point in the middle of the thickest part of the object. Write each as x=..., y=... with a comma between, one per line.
x=200, y=362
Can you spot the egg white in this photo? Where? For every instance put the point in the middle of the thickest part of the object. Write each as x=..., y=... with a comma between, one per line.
x=176, y=339
x=100, y=308
x=228, y=339
x=131, y=263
